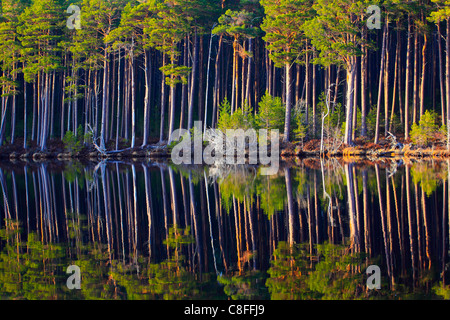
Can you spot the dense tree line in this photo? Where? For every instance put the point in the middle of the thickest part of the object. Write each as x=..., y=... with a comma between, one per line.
x=136, y=70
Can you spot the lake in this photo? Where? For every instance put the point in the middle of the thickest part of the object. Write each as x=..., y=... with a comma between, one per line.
x=148, y=230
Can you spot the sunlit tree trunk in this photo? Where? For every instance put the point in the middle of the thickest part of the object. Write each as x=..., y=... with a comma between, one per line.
x=133, y=99
x=104, y=99
x=383, y=58
x=193, y=83
x=351, y=76
x=407, y=78
x=287, y=119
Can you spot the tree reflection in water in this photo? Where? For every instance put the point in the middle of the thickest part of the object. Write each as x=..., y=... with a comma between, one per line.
x=156, y=231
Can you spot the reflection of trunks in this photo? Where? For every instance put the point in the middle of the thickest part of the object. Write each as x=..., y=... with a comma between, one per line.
x=153, y=230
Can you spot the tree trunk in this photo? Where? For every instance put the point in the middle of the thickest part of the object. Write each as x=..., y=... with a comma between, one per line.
x=172, y=107
x=193, y=83
x=207, y=84
x=163, y=98
x=24, y=115
x=249, y=71
x=133, y=98
x=422, y=81
x=351, y=72
x=386, y=81
x=441, y=72
x=184, y=88
x=314, y=97
x=216, y=83
x=407, y=77
x=416, y=75
x=447, y=81
x=383, y=51
x=104, y=105
x=118, y=101
x=287, y=120
x=234, y=77
x=147, y=75
x=394, y=94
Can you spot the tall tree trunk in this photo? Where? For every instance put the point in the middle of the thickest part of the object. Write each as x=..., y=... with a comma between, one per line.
x=351, y=75
x=249, y=71
x=207, y=84
x=441, y=74
x=422, y=81
x=147, y=75
x=216, y=83
x=24, y=115
x=104, y=98
x=407, y=78
x=193, y=83
x=416, y=75
x=386, y=81
x=287, y=120
x=118, y=101
x=163, y=102
x=133, y=98
x=447, y=81
x=383, y=52
x=172, y=108
x=184, y=86
x=234, y=77
x=396, y=78
x=314, y=95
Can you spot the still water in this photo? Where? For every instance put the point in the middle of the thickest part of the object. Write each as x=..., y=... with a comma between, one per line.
x=157, y=231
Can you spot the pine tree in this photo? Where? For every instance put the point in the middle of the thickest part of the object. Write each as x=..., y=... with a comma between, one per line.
x=336, y=31
x=439, y=15
x=283, y=25
x=40, y=32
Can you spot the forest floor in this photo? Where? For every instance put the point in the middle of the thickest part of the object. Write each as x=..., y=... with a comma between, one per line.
x=362, y=149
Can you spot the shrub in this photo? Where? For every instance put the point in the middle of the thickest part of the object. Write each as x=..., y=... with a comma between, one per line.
x=71, y=143
x=74, y=143
x=242, y=118
x=271, y=114
x=424, y=133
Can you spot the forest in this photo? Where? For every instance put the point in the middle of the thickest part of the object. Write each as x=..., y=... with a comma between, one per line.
x=120, y=74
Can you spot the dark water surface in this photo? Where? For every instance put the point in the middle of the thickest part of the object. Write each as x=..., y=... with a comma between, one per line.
x=157, y=231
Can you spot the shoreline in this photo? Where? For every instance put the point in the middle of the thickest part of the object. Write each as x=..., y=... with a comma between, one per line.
x=163, y=153
x=288, y=152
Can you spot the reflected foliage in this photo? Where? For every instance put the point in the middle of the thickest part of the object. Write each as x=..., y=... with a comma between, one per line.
x=147, y=231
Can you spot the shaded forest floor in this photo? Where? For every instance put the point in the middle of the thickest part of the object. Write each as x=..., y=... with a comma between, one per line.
x=362, y=149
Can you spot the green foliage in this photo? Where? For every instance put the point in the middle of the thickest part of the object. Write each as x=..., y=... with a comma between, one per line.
x=237, y=24
x=270, y=113
x=428, y=176
x=240, y=119
x=327, y=274
x=247, y=286
x=283, y=25
x=424, y=133
x=337, y=39
x=75, y=143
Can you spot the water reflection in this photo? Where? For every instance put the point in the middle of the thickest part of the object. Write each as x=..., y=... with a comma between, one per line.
x=155, y=231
